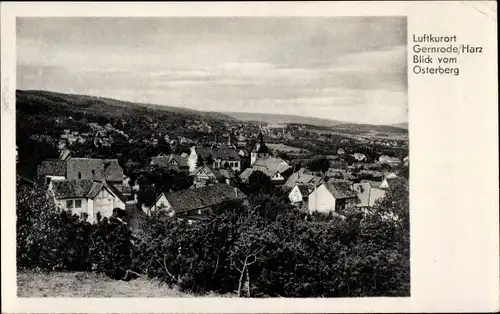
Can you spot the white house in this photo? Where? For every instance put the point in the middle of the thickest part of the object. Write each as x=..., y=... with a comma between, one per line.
x=368, y=193
x=388, y=180
x=334, y=196
x=359, y=156
x=219, y=157
x=393, y=161
x=161, y=203
x=300, y=193
x=86, y=197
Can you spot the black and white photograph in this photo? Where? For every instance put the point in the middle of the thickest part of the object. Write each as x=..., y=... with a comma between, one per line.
x=262, y=157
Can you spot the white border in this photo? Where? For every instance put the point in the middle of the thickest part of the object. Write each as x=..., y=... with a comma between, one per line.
x=454, y=163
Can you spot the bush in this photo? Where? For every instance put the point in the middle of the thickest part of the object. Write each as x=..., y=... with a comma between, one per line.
x=266, y=248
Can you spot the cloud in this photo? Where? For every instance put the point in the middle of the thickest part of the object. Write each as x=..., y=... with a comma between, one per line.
x=353, y=69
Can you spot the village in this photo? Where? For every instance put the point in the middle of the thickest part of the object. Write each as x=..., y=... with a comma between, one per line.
x=216, y=171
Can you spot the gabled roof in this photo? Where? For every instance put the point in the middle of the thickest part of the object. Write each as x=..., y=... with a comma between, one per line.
x=112, y=170
x=340, y=189
x=367, y=194
x=387, y=159
x=224, y=153
x=192, y=199
x=305, y=189
x=81, y=189
x=302, y=177
x=165, y=161
x=52, y=167
x=246, y=174
x=373, y=184
x=94, y=169
x=226, y=173
x=207, y=168
x=271, y=165
x=72, y=188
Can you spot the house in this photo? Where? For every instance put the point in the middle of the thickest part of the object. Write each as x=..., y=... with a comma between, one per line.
x=172, y=161
x=205, y=175
x=245, y=175
x=51, y=169
x=86, y=197
x=243, y=153
x=64, y=153
x=275, y=168
x=393, y=161
x=335, y=196
x=406, y=160
x=260, y=150
x=300, y=193
x=359, y=157
x=196, y=201
x=368, y=193
x=303, y=176
x=335, y=173
x=82, y=169
x=388, y=180
x=218, y=157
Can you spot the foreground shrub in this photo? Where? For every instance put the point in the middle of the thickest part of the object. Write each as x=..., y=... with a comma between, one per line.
x=267, y=248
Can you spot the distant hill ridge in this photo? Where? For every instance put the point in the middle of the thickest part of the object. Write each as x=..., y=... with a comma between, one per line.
x=114, y=106
x=321, y=122
x=95, y=103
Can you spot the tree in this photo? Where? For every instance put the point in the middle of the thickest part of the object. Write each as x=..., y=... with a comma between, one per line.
x=48, y=237
x=318, y=164
x=259, y=182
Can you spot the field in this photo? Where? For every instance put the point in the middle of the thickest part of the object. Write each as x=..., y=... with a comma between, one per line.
x=284, y=148
x=90, y=285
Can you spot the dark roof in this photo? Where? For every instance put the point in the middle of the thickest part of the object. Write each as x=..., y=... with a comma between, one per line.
x=210, y=169
x=72, y=188
x=224, y=153
x=192, y=199
x=52, y=167
x=94, y=189
x=81, y=189
x=94, y=169
x=302, y=177
x=305, y=189
x=341, y=189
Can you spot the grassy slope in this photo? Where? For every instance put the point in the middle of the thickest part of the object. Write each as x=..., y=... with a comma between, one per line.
x=90, y=285
x=102, y=104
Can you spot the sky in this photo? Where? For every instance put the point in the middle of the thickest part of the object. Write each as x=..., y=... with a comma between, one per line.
x=352, y=69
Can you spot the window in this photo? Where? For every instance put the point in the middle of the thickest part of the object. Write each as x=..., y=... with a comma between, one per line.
x=79, y=175
x=78, y=203
x=69, y=204
x=93, y=172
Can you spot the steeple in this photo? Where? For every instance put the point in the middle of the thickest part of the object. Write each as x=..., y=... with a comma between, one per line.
x=260, y=149
x=260, y=138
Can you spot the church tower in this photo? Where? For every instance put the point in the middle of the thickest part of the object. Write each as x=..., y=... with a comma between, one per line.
x=260, y=150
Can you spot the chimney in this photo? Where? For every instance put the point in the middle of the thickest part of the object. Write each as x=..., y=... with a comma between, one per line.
x=236, y=192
